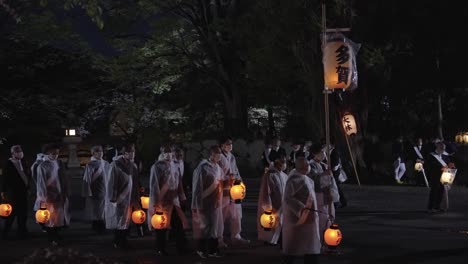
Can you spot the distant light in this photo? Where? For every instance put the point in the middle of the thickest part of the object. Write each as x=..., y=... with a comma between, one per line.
x=70, y=132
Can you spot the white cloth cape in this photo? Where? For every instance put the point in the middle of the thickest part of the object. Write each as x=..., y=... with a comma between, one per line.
x=300, y=226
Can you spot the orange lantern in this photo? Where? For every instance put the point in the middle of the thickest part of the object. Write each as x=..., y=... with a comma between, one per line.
x=159, y=220
x=138, y=217
x=459, y=138
x=349, y=124
x=144, y=201
x=333, y=236
x=268, y=220
x=42, y=215
x=5, y=209
x=238, y=191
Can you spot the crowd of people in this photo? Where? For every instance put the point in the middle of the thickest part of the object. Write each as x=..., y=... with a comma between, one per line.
x=432, y=159
x=298, y=188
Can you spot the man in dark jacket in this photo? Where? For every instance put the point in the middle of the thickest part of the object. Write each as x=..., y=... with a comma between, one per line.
x=14, y=189
x=434, y=165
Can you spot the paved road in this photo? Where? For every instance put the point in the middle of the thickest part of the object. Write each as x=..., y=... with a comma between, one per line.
x=382, y=224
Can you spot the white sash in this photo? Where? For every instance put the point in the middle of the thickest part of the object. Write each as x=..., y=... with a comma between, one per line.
x=439, y=158
x=416, y=149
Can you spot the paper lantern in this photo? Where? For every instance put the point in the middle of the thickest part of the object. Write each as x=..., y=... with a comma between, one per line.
x=138, y=217
x=238, y=191
x=465, y=138
x=333, y=236
x=349, y=124
x=459, y=138
x=448, y=176
x=268, y=220
x=5, y=209
x=338, y=64
x=159, y=221
x=42, y=215
x=144, y=201
x=418, y=166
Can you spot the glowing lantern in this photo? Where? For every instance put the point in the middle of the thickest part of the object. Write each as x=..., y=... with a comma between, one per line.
x=5, y=209
x=349, y=124
x=333, y=236
x=459, y=138
x=465, y=138
x=42, y=215
x=238, y=191
x=418, y=166
x=144, y=201
x=448, y=176
x=138, y=217
x=338, y=58
x=159, y=221
x=268, y=220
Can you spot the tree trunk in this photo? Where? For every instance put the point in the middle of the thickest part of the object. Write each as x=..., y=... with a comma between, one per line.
x=271, y=123
x=235, y=117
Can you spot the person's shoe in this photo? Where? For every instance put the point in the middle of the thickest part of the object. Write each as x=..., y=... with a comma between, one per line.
x=269, y=244
x=398, y=181
x=432, y=211
x=240, y=241
x=201, y=254
x=215, y=255
x=162, y=253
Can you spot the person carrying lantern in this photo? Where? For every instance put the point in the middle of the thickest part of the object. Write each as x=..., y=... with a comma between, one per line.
x=14, y=189
x=122, y=195
x=94, y=188
x=164, y=197
x=434, y=165
x=270, y=200
x=326, y=189
x=232, y=212
x=53, y=190
x=300, y=218
x=207, y=204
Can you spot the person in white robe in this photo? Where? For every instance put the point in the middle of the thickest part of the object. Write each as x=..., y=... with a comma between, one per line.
x=179, y=221
x=300, y=218
x=94, y=188
x=53, y=190
x=324, y=186
x=206, y=204
x=164, y=190
x=122, y=195
x=270, y=199
x=232, y=212
x=39, y=159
